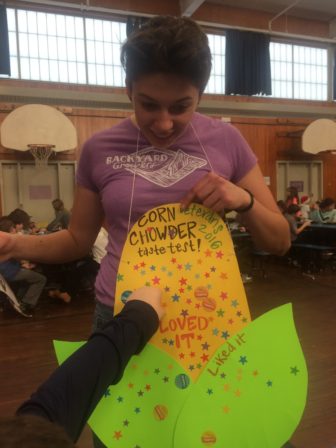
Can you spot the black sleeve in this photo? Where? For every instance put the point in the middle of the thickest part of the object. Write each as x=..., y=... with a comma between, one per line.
x=71, y=393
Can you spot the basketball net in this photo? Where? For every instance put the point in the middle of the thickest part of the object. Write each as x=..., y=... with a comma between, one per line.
x=41, y=153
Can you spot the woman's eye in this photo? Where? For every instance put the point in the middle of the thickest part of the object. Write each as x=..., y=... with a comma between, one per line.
x=149, y=106
x=178, y=109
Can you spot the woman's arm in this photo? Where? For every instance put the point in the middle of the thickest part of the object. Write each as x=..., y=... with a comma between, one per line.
x=264, y=220
x=62, y=246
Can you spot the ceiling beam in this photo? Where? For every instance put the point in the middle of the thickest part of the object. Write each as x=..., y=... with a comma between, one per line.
x=188, y=7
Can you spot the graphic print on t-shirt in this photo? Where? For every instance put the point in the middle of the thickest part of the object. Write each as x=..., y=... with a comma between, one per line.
x=161, y=167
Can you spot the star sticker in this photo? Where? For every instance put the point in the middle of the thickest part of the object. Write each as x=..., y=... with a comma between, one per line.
x=219, y=254
x=148, y=387
x=225, y=334
x=181, y=290
x=164, y=340
x=130, y=385
x=184, y=313
x=120, y=399
x=175, y=298
x=171, y=342
x=173, y=260
x=125, y=422
x=153, y=268
x=215, y=331
x=220, y=312
x=157, y=371
x=226, y=387
x=223, y=276
x=135, y=267
x=183, y=281
x=294, y=370
x=179, y=267
x=234, y=303
x=120, y=277
x=163, y=269
x=213, y=269
x=192, y=354
x=226, y=409
x=255, y=373
x=223, y=375
x=237, y=393
x=181, y=355
x=117, y=435
x=156, y=280
x=206, y=275
x=142, y=264
x=165, y=379
x=205, y=357
x=230, y=321
x=209, y=392
x=107, y=393
x=167, y=289
x=188, y=266
x=199, y=337
x=140, y=393
x=189, y=301
x=269, y=383
x=208, y=253
x=205, y=346
x=223, y=295
x=191, y=367
x=239, y=313
x=137, y=410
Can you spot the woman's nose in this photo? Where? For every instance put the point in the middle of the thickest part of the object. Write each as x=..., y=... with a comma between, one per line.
x=163, y=122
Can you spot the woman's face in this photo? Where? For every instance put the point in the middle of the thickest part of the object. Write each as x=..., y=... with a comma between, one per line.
x=163, y=106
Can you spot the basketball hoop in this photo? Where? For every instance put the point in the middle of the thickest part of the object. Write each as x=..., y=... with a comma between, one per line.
x=41, y=153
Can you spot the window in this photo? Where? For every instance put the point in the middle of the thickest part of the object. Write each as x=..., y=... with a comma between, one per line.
x=70, y=49
x=299, y=72
x=61, y=48
x=216, y=82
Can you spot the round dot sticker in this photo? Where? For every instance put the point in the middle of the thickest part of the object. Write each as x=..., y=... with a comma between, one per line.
x=182, y=381
x=208, y=438
x=160, y=412
x=125, y=295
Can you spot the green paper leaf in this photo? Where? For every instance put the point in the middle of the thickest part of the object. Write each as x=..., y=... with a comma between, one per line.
x=141, y=410
x=253, y=391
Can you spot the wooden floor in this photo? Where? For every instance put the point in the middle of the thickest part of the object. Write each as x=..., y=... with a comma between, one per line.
x=27, y=357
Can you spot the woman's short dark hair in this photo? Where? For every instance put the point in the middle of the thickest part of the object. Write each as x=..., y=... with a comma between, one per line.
x=170, y=45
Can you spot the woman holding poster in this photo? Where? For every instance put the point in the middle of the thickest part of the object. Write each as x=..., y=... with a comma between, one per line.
x=165, y=153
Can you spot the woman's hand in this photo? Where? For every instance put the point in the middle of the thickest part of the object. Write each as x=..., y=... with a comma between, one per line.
x=217, y=194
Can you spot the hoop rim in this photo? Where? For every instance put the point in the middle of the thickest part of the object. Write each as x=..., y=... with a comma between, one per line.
x=40, y=145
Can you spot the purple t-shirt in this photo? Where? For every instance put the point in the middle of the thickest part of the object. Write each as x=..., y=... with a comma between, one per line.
x=132, y=177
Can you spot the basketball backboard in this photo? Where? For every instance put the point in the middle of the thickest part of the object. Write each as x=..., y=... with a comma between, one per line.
x=320, y=135
x=38, y=124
